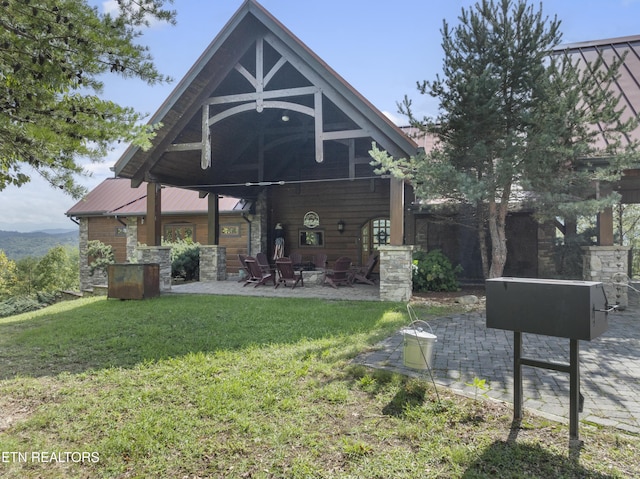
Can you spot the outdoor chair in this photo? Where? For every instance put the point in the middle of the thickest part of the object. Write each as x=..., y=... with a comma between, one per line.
x=287, y=275
x=363, y=274
x=296, y=261
x=340, y=274
x=263, y=262
x=320, y=261
x=241, y=258
x=256, y=275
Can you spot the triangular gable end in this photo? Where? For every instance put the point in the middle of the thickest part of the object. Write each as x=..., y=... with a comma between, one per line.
x=258, y=108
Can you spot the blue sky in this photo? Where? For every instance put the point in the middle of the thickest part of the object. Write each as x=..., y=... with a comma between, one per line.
x=380, y=47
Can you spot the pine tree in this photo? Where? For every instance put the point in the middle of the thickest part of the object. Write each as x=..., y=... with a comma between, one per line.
x=53, y=57
x=515, y=124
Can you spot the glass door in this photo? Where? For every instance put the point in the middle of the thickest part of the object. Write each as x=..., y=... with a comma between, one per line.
x=374, y=233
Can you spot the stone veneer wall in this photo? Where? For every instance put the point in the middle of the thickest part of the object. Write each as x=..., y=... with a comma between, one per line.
x=86, y=279
x=132, y=238
x=609, y=265
x=213, y=263
x=395, y=273
x=546, y=249
x=162, y=256
x=259, y=225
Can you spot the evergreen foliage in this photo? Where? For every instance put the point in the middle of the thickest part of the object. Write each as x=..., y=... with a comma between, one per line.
x=100, y=255
x=53, y=56
x=25, y=303
x=185, y=259
x=516, y=124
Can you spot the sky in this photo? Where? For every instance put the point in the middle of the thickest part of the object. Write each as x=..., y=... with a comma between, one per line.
x=381, y=47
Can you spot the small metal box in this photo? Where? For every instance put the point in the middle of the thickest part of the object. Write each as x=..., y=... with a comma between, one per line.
x=133, y=280
x=562, y=308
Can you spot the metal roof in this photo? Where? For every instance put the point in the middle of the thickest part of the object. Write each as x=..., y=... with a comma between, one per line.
x=116, y=197
x=627, y=85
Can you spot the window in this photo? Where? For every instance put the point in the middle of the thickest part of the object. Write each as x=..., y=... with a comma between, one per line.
x=179, y=232
x=230, y=230
x=311, y=238
x=381, y=232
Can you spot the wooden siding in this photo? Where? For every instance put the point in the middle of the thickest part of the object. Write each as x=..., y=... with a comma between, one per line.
x=354, y=202
x=104, y=229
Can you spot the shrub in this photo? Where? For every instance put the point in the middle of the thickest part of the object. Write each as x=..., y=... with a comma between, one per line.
x=433, y=271
x=185, y=259
x=101, y=256
x=23, y=304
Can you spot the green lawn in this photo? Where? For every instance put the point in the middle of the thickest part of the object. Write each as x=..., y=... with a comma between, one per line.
x=236, y=387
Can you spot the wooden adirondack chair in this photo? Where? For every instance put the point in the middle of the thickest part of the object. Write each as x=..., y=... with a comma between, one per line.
x=256, y=275
x=241, y=258
x=263, y=262
x=296, y=260
x=340, y=274
x=288, y=275
x=362, y=274
x=320, y=261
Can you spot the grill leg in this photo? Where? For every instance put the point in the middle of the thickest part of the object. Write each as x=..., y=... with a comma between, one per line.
x=517, y=376
x=574, y=388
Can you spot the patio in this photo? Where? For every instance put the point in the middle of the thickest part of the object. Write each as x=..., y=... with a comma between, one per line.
x=311, y=289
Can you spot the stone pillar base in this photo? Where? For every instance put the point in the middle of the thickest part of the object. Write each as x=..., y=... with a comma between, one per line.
x=608, y=265
x=213, y=263
x=395, y=273
x=162, y=256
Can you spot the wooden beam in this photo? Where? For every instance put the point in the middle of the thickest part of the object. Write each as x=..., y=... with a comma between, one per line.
x=346, y=134
x=352, y=158
x=253, y=96
x=185, y=147
x=319, y=127
x=605, y=227
x=154, y=214
x=205, y=157
x=213, y=220
x=396, y=210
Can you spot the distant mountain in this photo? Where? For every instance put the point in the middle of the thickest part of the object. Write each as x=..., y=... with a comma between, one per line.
x=36, y=243
x=57, y=231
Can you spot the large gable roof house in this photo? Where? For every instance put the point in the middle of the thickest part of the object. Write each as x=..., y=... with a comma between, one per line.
x=259, y=116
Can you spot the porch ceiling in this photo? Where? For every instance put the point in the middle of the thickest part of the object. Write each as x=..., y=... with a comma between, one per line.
x=224, y=128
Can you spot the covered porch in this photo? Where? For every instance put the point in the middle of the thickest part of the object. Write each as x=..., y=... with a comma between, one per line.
x=260, y=117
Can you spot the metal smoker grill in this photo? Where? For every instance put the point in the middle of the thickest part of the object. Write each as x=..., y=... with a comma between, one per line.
x=567, y=309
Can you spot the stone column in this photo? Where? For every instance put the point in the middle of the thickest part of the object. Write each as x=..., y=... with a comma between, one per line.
x=85, y=277
x=395, y=272
x=609, y=265
x=213, y=263
x=162, y=256
x=259, y=226
x=132, y=238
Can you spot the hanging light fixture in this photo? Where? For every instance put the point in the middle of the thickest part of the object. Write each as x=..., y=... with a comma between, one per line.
x=341, y=226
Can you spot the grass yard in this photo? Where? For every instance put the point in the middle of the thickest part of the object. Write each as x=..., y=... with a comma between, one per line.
x=237, y=387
